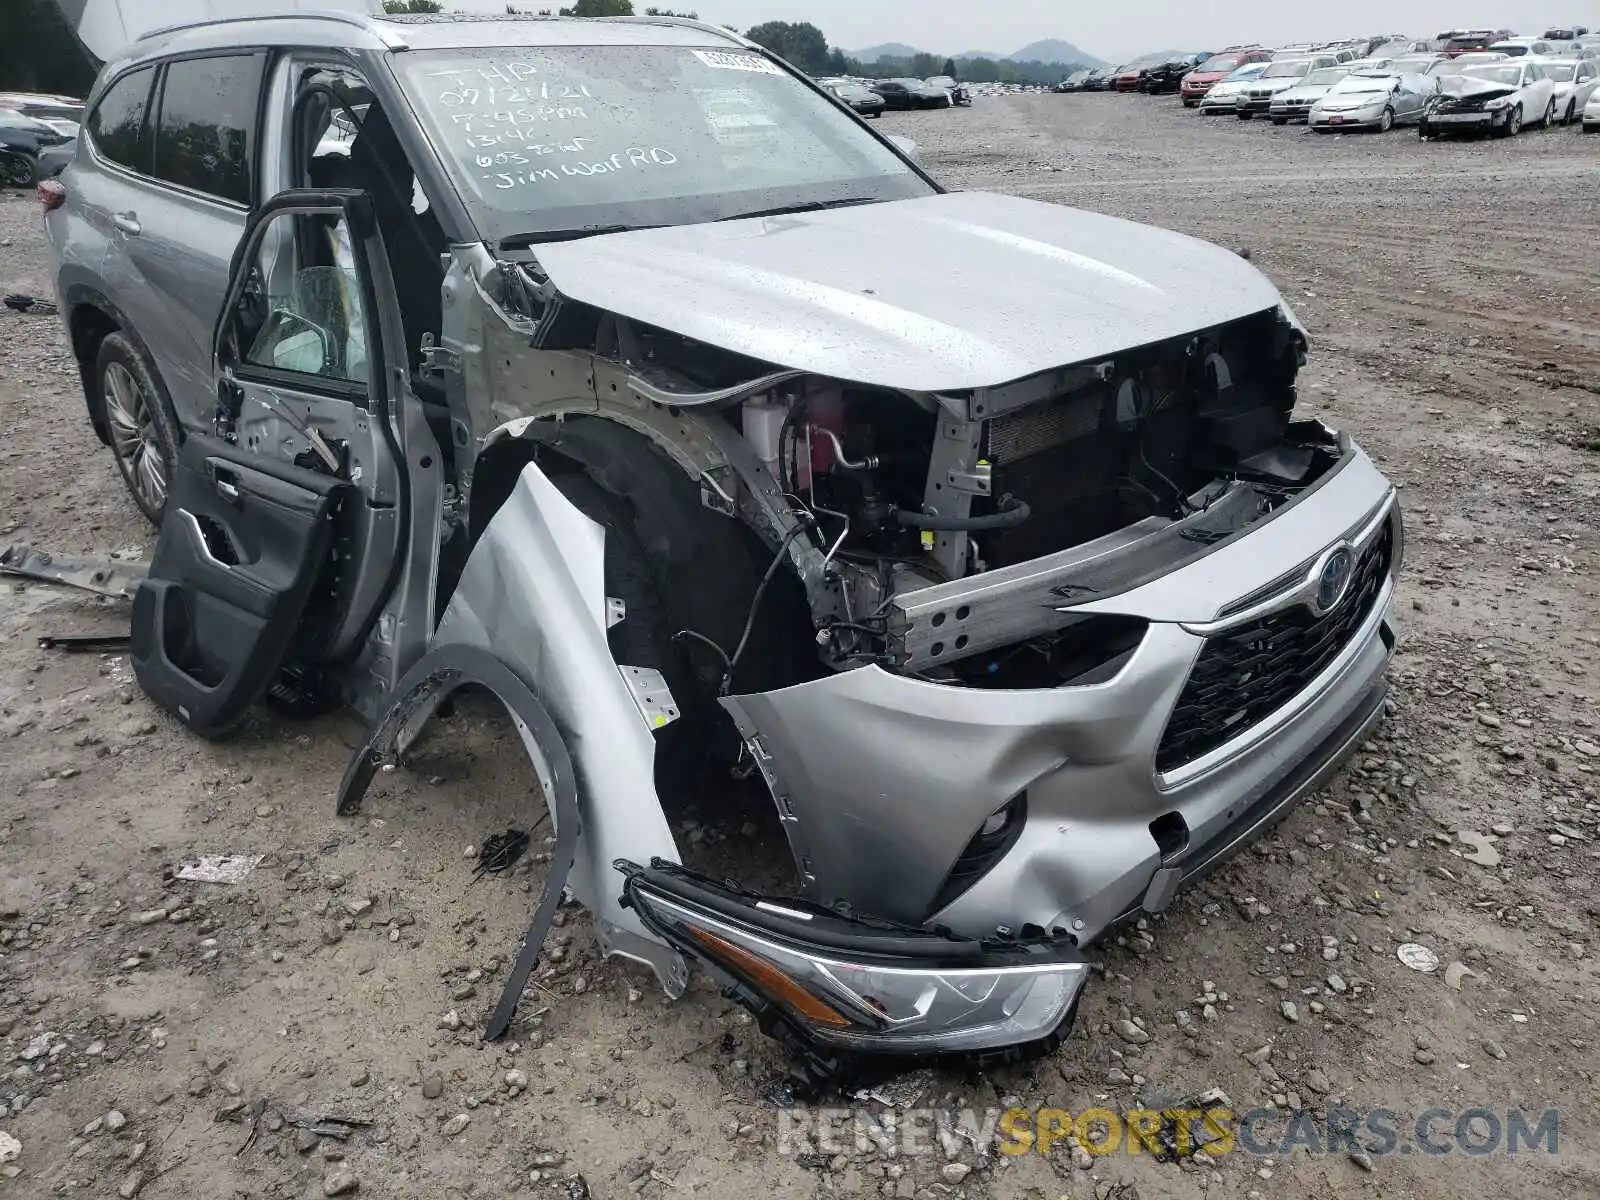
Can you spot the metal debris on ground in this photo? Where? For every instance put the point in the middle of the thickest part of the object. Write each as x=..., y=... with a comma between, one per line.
x=219, y=868
x=1480, y=848
x=901, y=1092
x=1418, y=958
x=84, y=642
x=103, y=577
x=329, y=1125
x=23, y=303
x=500, y=852
x=1183, y=1133
x=577, y=1188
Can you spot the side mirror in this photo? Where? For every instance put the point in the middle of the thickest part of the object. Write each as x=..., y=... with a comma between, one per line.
x=906, y=146
x=292, y=343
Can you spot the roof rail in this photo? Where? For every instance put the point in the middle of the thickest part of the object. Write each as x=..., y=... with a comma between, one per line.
x=731, y=35
x=383, y=32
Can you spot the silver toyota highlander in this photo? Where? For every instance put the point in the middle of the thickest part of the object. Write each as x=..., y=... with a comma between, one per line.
x=621, y=370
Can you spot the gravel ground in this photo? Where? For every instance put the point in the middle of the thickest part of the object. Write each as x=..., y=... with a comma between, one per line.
x=147, y=1023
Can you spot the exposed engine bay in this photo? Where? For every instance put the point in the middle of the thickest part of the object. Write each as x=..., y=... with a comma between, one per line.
x=1129, y=465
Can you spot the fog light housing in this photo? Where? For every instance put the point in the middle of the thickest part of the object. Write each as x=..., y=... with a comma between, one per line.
x=858, y=985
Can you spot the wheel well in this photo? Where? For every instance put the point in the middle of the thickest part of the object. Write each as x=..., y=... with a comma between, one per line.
x=707, y=566
x=88, y=327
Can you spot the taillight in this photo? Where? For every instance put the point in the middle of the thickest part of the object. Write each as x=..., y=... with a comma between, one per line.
x=52, y=194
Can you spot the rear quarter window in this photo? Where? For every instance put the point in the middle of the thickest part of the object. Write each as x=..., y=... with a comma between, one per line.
x=118, y=125
x=206, y=130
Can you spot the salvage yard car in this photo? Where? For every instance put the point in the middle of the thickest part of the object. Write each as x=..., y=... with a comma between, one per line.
x=1224, y=96
x=1575, y=80
x=613, y=368
x=857, y=95
x=911, y=93
x=1214, y=70
x=1373, y=100
x=1294, y=103
x=1281, y=75
x=1499, y=98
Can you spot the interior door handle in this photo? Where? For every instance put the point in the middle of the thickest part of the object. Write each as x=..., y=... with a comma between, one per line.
x=127, y=222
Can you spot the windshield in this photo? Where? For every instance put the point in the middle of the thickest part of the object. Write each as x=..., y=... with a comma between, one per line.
x=1508, y=74
x=1326, y=77
x=542, y=139
x=1221, y=64
x=1250, y=71
x=1286, y=70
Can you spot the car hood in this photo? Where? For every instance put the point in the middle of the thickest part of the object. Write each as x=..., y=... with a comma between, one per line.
x=1206, y=76
x=1306, y=91
x=1464, y=87
x=1271, y=85
x=940, y=293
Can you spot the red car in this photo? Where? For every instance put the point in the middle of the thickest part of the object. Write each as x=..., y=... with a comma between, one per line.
x=1200, y=80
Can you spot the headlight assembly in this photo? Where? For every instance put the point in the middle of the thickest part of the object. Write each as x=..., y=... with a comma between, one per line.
x=859, y=986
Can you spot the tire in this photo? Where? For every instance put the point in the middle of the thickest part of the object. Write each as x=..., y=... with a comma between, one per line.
x=1386, y=121
x=1190, y=103
x=1513, y=125
x=1549, y=115
x=1572, y=113
x=1244, y=114
x=1280, y=120
x=17, y=169
x=143, y=430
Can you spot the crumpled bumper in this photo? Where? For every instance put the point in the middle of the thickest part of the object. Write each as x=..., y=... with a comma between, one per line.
x=1061, y=809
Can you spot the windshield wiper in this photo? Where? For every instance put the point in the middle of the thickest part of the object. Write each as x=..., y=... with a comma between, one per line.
x=520, y=240
x=803, y=206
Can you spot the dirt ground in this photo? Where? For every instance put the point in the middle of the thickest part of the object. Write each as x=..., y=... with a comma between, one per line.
x=1453, y=293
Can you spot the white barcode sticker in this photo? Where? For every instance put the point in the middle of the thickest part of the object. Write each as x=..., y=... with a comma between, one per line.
x=724, y=61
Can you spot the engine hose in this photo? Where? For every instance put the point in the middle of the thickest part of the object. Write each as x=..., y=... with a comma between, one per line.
x=1012, y=513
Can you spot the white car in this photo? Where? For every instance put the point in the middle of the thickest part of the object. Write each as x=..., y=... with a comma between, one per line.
x=1591, y=113
x=1294, y=104
x=1517, y=47
x=1281, y=75
x=1224, y=94
x=1498, y=98
x=1576, y=80
x=1373, y=100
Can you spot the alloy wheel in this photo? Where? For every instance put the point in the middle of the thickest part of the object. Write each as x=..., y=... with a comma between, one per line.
x=134, y=437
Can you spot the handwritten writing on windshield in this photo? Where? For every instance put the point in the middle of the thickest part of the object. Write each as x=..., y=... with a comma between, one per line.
x=527, y=173
x=520, y=127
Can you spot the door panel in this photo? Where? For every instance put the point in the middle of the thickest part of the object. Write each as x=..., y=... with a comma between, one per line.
x=283, y=538
x=239, y=555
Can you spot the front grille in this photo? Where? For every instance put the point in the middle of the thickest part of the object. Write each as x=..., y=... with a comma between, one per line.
x=1247, y=674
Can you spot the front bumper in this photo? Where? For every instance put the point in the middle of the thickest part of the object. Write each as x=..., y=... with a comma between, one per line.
x=1345, y=120
x=885, y=783
x=1466, y=122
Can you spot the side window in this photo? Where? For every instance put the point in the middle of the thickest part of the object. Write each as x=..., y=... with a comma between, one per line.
x=117, y=125
x=306, y=313
x=205, y=131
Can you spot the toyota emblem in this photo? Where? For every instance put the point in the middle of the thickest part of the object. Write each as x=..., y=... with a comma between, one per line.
x=1332, y=580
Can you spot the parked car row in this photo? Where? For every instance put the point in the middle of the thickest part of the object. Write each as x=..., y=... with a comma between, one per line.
x=1486, y=81
x=35, y=127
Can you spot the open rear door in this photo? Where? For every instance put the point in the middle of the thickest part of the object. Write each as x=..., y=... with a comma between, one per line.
x=106, y=26
x=283, y=538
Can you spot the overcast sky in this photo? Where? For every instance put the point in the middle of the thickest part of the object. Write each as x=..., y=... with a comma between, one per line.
x=1119, y=28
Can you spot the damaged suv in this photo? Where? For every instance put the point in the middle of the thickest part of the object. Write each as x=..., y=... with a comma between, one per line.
x=615, y=368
